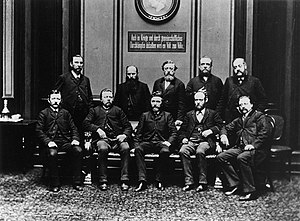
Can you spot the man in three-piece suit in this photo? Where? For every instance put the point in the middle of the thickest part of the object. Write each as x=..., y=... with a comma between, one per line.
x=241, y=83
x=197, y=136
x=173, y=92
x=76, y=92
x=56, y=131
x=133, y=96
x=156, y=133
x=111, y=132
x=249, y=150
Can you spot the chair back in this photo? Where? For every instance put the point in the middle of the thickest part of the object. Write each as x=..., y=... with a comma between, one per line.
x=279, y=125
x=270, y=126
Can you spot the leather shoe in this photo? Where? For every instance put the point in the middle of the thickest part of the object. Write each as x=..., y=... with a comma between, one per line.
x=160, y=186
x=142, y=186
x=103, y=186
x=201, y=188
x=187, y=188
x=124, y=187
x=232, y=191
x=55, y=189
x=248, y=197
x=78, y=187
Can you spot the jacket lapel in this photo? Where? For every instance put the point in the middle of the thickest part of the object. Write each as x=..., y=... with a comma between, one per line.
x=205, y=116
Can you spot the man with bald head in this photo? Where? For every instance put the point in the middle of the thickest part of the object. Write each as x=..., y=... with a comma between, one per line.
x=206, y=82
x=237, y=85
x=133, y=96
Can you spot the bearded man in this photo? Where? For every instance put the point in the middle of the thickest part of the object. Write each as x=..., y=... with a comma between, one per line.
x=156, y=133
x=237, y=85
x=247, y=151
x=133, y=96
x=111, y=132
x=206, y=82
x=197, y=136
x=173, y=92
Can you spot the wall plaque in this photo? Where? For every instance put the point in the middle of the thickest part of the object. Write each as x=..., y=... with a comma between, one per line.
x=157, y=11
x=156, y=41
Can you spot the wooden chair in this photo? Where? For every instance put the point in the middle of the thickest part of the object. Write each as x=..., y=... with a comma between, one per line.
x=280, y=153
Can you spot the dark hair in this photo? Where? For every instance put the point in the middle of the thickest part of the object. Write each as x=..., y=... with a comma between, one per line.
x=105, y=90
x=53, y=92
x=157, y=94
x=75, y=56
x=137, y=70
x=169, y=62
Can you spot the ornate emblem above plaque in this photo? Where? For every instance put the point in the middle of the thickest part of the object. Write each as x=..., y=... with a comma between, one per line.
x=157, y=11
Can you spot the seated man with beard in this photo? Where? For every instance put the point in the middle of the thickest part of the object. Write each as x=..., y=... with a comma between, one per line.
x=111, y=132
x=133, y=96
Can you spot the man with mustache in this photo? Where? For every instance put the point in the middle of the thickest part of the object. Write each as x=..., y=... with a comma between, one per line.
x=111, y=132
x=197, y=135
x=173, y=92
x=56, y=132
x=76, y=92
x=248, y=150
x=206, y=82
x=133, y=96
x=156, y=132
x=237, y=85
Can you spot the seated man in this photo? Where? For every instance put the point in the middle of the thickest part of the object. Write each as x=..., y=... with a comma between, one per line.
x=56, y=131
x=197, y=136
x=248, y=151
x=156, y=132
x=110, y=132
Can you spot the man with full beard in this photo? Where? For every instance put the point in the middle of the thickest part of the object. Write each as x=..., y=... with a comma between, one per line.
x=133, y=96
x=197, y=136
x=173, y=92
x=206, y=82
x=156, y=133
x=237, y=85
x=111, y=132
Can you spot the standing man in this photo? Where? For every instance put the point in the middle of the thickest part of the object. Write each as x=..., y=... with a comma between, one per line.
x=111, y=131
x=156, y=132
x=198, y=136
x=206, y=82
x=56, y=132
x=248, y=150
x=173, y=92
x=237, y=85
x=133, y=96
x=76, y=92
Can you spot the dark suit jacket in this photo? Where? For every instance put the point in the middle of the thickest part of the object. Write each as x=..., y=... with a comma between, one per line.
x=213, y=86
x=232, y=91
x=253, y=130
x=211, y=120
x=163, y=125
x=70, y=88
x=49, y=123
x=97, y=117
x=140, y=100
x=174, y=97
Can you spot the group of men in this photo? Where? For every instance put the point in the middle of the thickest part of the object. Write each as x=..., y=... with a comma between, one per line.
x=172, y=118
